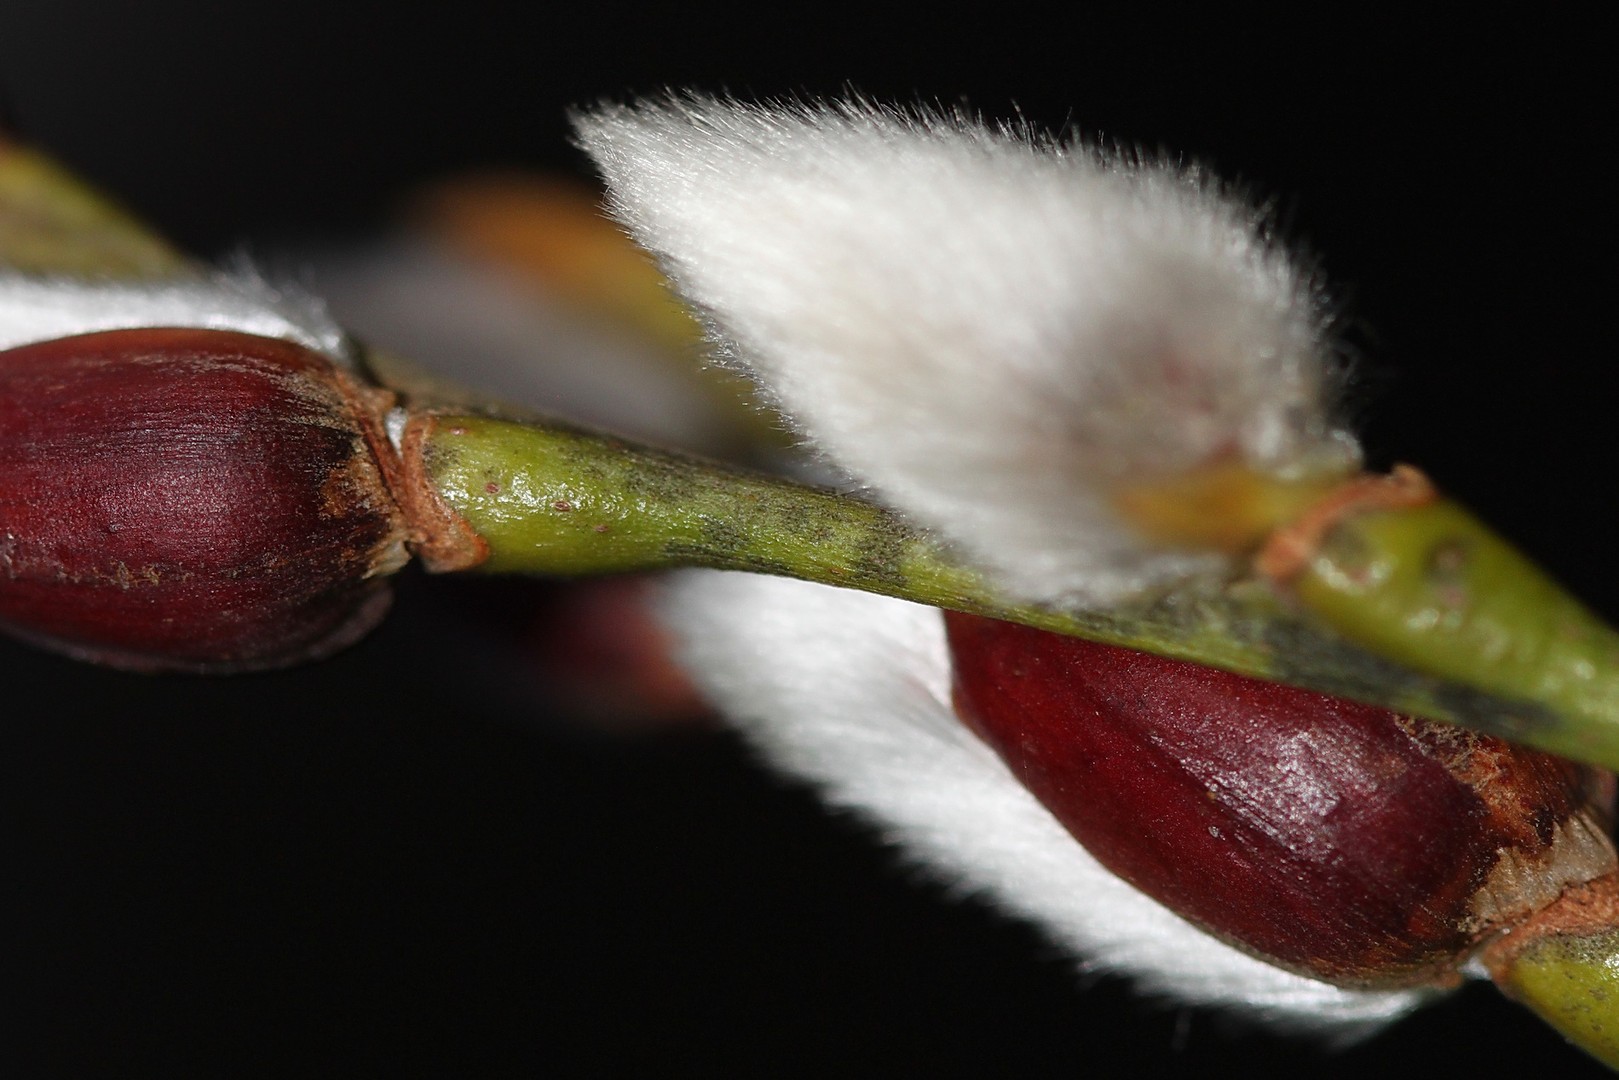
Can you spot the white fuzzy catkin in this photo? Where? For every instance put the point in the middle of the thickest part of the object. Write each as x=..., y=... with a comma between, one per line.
x=990, y=329
x=43, y=308
x=853, y=692
x=993, y=332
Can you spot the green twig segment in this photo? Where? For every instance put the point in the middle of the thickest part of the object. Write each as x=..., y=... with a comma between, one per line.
x=1572, y=982
x=554, y=501
x=1433, y=587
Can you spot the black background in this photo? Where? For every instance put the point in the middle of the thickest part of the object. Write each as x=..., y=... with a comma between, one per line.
x=403, y=861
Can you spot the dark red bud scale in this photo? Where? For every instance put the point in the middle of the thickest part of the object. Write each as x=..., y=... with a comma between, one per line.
x=198, y=500
x=1337, y=840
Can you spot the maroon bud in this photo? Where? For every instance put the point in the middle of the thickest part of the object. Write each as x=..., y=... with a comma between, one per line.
x=191, y=500
x=1340, y=841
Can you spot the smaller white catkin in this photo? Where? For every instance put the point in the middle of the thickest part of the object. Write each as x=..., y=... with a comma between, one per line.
x=43, y=308
x=991, y=330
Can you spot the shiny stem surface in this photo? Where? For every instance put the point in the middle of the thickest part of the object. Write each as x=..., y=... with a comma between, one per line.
x=1433, y=588
x=549, y=500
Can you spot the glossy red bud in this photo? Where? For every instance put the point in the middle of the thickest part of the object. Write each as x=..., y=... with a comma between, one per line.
x=1338, y=840
x=195, y=500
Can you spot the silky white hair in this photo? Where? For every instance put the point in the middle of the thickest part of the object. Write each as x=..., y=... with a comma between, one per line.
x=990, y=329
x=43, y=308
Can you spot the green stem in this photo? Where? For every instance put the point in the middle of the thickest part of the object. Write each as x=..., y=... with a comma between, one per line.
x=1433, y=587
x=553, y=501
x=1564, y=965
